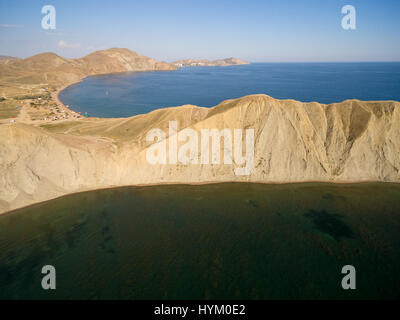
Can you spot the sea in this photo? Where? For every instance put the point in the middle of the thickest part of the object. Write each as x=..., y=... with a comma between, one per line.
x=218, y=241
x=133, y=93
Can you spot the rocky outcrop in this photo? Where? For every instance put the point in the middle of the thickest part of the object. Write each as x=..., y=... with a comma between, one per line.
x=349, y=141
x=208, y=63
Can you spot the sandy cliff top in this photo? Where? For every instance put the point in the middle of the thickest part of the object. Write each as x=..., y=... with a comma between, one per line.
x=294, y=141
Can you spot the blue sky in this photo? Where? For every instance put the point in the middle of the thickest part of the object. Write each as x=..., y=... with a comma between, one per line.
x=258, y=31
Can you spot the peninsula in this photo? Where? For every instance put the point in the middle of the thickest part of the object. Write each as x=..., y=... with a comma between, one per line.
x=207, y=63
x=49, y=68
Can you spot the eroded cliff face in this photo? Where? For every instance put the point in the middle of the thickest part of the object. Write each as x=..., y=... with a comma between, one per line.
x=293, y=141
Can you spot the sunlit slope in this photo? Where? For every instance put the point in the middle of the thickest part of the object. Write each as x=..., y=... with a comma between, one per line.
x=294, y=141
x=50, y=68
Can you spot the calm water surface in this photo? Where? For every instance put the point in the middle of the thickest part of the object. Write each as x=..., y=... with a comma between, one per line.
x=127, y=94
x=217, y=241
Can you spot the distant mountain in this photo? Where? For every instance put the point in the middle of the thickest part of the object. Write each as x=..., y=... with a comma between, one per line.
x=203, y=62
x=8, y=58
x=50, y=68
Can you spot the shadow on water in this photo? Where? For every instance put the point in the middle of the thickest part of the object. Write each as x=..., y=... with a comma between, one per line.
x=330, y=223
x=220, y=241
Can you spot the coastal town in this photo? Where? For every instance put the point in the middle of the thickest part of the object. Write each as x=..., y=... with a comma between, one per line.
x=30, y=94
x=40, y=105
x=29, y=87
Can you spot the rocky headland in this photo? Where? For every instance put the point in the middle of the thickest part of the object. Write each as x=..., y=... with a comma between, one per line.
x=208, y=63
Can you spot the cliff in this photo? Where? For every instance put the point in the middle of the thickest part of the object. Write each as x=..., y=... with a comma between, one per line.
x=293, y=141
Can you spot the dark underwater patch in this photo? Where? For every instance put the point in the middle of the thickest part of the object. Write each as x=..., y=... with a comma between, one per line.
x=333, y=197
x=252, y=203
x=330, y=223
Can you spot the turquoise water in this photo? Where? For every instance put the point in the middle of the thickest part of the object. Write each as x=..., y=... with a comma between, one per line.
x=220, y=241
x=127, y=94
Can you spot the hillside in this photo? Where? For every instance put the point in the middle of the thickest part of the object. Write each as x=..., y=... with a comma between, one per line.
x=294, y=142
x=208, y=63
x=8, y=58
x=49, y=68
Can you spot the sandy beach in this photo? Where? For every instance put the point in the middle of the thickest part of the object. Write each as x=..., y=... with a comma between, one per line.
x=56, y=98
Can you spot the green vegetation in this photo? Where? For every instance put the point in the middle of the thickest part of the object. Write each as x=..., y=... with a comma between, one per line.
x=25, y=97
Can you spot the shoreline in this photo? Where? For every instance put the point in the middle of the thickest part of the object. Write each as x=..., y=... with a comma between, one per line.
x=308, y=182
x=56, y=98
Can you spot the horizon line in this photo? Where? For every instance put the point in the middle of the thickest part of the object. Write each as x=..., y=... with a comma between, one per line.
x=349, y=61
x=174, y=60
